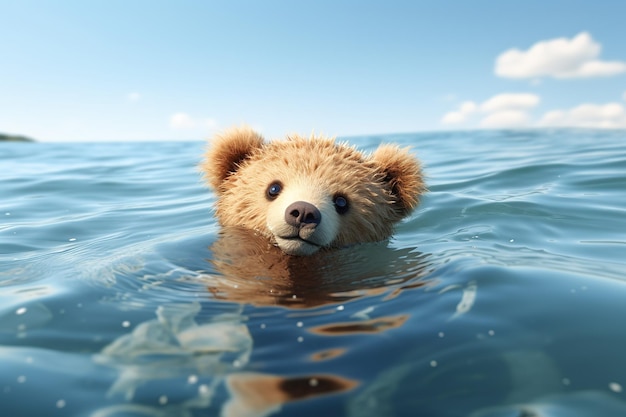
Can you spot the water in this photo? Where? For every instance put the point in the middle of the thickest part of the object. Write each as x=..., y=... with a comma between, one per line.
x=503, y=295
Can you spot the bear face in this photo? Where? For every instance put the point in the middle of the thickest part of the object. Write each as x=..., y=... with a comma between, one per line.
x=307, y=194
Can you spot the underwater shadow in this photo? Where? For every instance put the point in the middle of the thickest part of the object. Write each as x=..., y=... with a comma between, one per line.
x=248, y=269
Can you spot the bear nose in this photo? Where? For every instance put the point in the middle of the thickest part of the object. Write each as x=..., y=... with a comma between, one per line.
x=301, y=214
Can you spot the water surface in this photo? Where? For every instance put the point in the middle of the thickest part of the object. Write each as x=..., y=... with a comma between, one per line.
x=502, y=295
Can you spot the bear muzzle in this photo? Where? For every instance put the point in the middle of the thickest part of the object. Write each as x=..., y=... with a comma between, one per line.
x=303, y=219
x=300, y=234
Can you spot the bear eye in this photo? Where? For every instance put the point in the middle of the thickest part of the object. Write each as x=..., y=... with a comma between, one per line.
x=341, y=204
x=274, y=189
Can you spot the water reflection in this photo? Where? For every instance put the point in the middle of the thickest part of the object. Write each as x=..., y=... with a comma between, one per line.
x=195, y=360
x=261, y=395
x=211, y=354
x=328, y=354
x=378, y=325
x=253, y=271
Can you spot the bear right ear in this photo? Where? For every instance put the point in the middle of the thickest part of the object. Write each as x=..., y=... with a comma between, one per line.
x=226, y=152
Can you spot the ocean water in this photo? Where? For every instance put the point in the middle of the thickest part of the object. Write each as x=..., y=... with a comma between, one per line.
x=503, y=295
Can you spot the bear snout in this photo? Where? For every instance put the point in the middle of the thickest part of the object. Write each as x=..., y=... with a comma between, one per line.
x=302, y=214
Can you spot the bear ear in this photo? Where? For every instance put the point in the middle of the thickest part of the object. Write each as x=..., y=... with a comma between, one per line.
x=403, y=173
x=227, y=151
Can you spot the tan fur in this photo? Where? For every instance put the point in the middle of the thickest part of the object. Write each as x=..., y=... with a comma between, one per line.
x=249, y=269
x=227, y=151
x=381, y=188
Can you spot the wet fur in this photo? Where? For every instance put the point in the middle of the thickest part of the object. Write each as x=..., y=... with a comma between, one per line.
x=382, y=188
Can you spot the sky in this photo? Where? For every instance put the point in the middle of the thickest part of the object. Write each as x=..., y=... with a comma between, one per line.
x=130, y=70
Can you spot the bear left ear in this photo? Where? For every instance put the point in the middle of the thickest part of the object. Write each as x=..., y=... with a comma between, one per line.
x=403, y=173
x=227, y=151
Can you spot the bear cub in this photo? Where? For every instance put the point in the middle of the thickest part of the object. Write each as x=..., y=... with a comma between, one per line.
x=307, y=194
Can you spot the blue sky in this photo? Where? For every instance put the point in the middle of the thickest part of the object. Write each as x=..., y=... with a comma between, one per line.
x=75, y=70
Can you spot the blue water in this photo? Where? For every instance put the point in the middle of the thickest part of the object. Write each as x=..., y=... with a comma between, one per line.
x=503, y=295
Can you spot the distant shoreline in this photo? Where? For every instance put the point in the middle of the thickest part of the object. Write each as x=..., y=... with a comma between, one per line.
x=15, y=138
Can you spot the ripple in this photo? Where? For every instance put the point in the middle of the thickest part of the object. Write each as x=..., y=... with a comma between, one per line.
x=512, y=266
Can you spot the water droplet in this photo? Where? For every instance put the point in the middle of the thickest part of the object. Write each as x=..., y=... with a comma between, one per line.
x=192, y=379
x=21, y=311
x=433, y=364
x=61, y=403
x=441, y=334
x=615, y=387
x=126, y=323
x=72, y=239
x=299, y=324
x=21, y=379
x=340, y=308
x=163, y=399
x=204, y=390
x=313, y=382
x=300, y=339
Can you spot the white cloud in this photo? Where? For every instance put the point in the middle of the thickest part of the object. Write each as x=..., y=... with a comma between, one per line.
x=508, y=101
x=465, y=110
x=597, y=69
x=134, y=96
x=558, y=58
x=611, y=115
x=468, y=107
x=501, y=110
x=183, y=121
x=453, y=117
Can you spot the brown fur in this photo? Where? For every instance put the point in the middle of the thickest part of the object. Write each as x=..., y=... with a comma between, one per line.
x=249, y=269
x=381, y=188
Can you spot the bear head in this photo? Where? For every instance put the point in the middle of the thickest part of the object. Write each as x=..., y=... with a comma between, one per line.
x=307, y=194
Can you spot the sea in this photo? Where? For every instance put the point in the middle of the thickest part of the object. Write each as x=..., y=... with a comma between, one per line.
x=502, y=295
